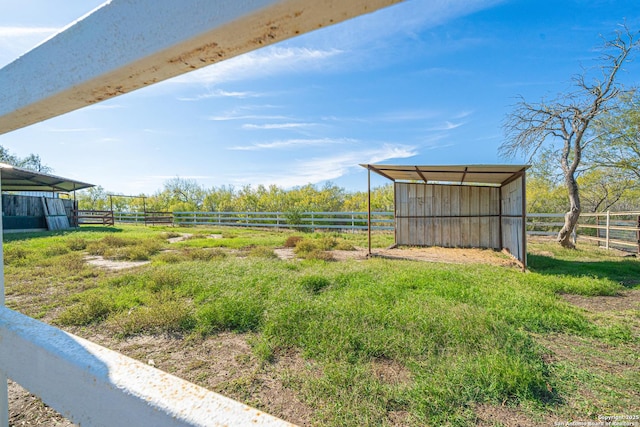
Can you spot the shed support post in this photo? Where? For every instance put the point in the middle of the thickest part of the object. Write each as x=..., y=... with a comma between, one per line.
x=638, y=234
x=500, y=239
x=4, y=390
x=369, y=207
x=524, y=220
x=607, y=231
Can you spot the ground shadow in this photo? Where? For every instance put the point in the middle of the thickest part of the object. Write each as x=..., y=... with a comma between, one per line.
x=626, y=271
x=15, y=237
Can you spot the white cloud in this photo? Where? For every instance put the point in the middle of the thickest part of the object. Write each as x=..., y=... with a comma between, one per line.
x=409, y=115
x=73, y=129
x=291, y=143
x=219, y=93
x=278, y=126
x=447, y=125
x=232, y=116
x=328, y=168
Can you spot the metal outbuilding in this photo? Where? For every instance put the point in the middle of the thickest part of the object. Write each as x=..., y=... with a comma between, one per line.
x=468, y=206
x=32, y=203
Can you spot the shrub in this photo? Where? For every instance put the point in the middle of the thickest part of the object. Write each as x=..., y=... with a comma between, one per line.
x=170, y=234
x=15, y=255
x=262, y=252
x=204, y=254
x=96, y=248
x=76, y=244
x=319, y=255
x=343, y=245
x=71, y=262
x=292, y=241
x=171, y=257
x=163, y=279
x=54, y=250
x=304, y=247
x=92, y=308
x=160, y=316
x=327, y=243
x=115, y=241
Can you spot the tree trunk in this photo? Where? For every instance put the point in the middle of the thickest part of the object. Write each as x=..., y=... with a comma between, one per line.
x=571, y=217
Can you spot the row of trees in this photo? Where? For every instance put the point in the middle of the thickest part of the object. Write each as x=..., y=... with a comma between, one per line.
x=600, y=190
x=186, y=195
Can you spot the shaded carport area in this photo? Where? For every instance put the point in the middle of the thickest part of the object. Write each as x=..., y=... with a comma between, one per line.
x=465, y=206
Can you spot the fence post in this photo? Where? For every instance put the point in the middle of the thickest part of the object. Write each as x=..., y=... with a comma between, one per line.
x=638, y=234
x=608, y=225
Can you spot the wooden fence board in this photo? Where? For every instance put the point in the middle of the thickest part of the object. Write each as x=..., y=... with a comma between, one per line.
x=55, y=214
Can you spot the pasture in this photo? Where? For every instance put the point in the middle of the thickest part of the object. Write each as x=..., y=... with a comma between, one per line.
x=322, y=338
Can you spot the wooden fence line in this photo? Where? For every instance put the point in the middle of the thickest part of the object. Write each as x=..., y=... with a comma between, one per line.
x=611, y=230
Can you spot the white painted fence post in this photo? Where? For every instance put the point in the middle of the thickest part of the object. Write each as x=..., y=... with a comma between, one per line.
x=4, y=391
x=608, y=224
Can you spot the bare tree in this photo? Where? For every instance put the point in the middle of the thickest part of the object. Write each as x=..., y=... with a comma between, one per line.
x=565, y=123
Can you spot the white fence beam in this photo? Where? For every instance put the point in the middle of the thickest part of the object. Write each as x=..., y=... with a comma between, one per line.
x=4, y=390
x=125, y=45
x=95, y=386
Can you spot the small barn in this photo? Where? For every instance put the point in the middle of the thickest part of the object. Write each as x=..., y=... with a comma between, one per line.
x=31, y=202
x=465, y=206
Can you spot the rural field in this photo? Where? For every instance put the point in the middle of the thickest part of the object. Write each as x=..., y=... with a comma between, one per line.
x=306, y=327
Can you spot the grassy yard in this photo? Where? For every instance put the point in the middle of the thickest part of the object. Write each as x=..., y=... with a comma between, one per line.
x=349, y=342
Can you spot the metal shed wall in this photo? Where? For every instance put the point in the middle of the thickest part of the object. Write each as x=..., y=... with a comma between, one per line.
x=513, y=219
x=460, y=216
x=447, y=215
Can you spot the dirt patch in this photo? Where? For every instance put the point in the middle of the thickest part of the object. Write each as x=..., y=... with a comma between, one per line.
x=626, y=300
x=428, y=254
x=285, y=253
x=507, y=416
x=108, y=264
x=450, y=255
x=180, y=238
x=391, y=372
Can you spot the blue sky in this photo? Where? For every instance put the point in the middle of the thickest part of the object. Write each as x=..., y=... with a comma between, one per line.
x=422, y=82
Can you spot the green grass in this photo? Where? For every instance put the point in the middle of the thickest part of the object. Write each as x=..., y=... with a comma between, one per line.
x=463, y=334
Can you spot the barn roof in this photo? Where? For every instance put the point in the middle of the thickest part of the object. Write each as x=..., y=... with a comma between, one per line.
x=18, y=179
x=487, y=175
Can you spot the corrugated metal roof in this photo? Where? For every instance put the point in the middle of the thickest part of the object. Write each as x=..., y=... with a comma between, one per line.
x=19, y=179
x=487, y=175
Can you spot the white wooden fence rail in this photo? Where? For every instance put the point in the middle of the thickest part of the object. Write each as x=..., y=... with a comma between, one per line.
x=302, y=220
x=94, y=386
x=620, y=230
